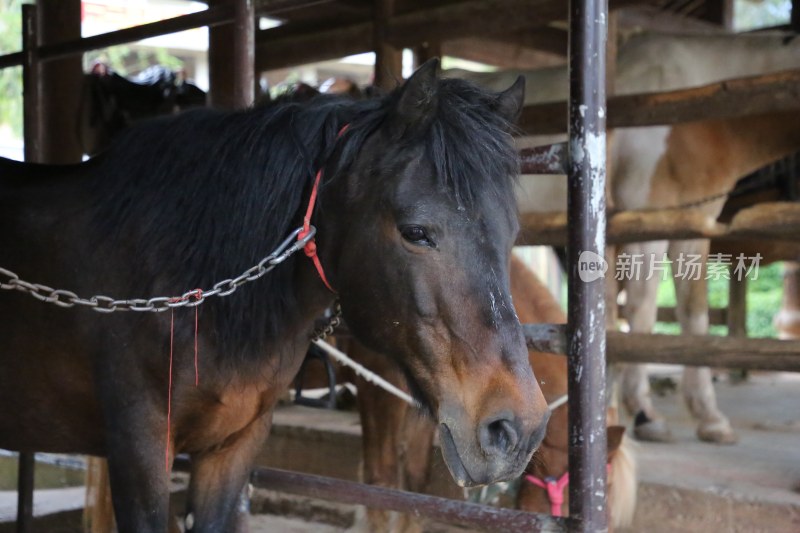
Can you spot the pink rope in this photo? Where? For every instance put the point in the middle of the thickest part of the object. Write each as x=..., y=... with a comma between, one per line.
x=555, y=489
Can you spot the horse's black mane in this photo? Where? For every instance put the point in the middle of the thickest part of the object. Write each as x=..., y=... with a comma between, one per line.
x=203, y=196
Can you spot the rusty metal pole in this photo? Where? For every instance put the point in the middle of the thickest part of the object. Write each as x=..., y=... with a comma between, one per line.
x=32, y=128
x=586, y=209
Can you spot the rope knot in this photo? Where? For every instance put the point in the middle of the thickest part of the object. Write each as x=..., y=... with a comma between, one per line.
x=310, y=249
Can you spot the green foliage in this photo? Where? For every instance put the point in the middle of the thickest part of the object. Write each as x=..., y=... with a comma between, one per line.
x=11, y=78
x=763, y=301
x=749, y=14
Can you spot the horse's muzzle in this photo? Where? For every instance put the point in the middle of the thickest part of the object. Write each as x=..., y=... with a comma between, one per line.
x=499, y=448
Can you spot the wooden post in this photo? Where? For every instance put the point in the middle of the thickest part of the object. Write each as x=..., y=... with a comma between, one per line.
x=719, y=12
x=737, y=306
x=426, y=51
x=388, y=59
x=32, y=126
x=795, y=17
x=31, y=87
x=231, y=59
x=61, y=82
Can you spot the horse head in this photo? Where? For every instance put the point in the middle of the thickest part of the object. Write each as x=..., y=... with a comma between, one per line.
x=416, y=234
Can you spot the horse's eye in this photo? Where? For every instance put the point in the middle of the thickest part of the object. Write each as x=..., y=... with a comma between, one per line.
x=415, y=235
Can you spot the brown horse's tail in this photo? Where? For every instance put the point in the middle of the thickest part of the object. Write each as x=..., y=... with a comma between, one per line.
x=622, y=484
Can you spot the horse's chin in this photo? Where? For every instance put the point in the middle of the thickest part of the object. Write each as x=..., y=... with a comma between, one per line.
x=453, y=460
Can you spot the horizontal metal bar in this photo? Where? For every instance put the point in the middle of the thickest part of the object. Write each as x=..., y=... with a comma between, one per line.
x=483, y=517
x=550, y=338
x=210, y=17
x=547, y=159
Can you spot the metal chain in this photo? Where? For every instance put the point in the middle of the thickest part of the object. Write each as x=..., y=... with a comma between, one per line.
x=106, y=304
x=333, y=321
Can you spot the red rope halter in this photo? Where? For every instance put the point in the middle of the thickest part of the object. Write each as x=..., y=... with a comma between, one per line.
x=310, y=247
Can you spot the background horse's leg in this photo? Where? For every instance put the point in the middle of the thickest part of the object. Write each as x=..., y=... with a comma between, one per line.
x=217, y=480
x=640, y=312
x=692, y=311
x=417, y=447
x=396, y=441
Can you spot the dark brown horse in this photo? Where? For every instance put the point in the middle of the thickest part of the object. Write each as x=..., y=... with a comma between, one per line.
x=416, y=220
x=111, y=103
x=398, y=443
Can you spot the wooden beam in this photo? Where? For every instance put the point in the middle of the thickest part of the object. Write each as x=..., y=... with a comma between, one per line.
x=500, y=53
x=704, y=350
x=652, y=18
x=286, y=46
x=545, y=39
x=771, y=220
x=717, y=316
x=727, y=99
x=689, y=350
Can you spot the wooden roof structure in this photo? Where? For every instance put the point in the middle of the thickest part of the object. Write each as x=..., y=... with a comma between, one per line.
x=504, y=33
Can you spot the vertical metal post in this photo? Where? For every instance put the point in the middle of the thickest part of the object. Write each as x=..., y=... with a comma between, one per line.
x=25, y=492
x=31, y=94
x=586, y=246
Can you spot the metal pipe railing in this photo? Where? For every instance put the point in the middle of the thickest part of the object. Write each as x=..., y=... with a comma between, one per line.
x=586, y=207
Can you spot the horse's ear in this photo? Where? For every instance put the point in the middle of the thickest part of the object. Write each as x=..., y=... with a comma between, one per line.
x=418, y=96
x=509, y=102
x=614, y=439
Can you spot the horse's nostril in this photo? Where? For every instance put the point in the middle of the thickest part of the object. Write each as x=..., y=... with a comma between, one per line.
x=499, y=435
